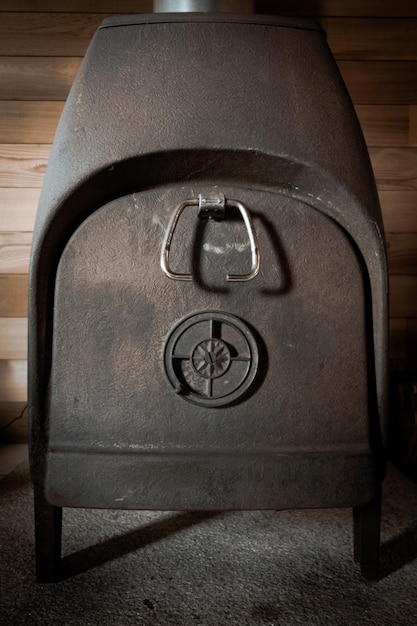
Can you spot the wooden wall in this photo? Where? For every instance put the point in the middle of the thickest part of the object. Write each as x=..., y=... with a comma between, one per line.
x=41, y=45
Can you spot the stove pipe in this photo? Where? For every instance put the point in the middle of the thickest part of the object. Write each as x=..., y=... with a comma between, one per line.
x=203, y=6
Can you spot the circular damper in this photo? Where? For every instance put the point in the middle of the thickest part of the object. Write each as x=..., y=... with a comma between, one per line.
x=211, y=358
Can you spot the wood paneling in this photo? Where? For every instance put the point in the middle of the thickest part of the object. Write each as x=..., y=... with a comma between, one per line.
x=14, y=253
x=47, y=34
x=13, y=338
x=412, y=340
x=82, y=6
x=68, y=34
x=13, y=295
x=380, y=82
x=395, y=168
x=37, y=78
x=23, y=165
x=412, y=113
x=386, y=125
x=372, y=39
x=340, y=8
x=402, y=253
x=399, y=211
x=398, y=339
x=403, y=341
x=403, y=296
x=18, y=209
x=13, y=374
x=28, y=122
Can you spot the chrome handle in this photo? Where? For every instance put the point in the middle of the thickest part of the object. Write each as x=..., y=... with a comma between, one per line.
x=211, y=208
x=166, y=246
x=254, y=248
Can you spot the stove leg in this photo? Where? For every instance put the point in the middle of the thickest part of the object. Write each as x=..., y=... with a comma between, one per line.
x=48, y=532
x=366, y=536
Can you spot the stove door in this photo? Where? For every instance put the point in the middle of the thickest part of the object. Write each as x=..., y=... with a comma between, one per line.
x=195, y=391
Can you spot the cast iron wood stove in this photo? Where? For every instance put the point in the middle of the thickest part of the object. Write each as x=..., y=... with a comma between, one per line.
x=208, y=282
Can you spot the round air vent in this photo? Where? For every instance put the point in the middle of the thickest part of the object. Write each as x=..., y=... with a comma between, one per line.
x=211, y=358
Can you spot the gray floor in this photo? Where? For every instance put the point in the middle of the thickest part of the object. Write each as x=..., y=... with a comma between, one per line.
x=140, y=568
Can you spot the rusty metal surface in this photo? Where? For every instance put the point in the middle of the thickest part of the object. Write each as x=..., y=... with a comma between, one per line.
x=160, y=112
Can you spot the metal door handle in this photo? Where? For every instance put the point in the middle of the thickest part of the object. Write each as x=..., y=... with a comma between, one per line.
x=212, y=207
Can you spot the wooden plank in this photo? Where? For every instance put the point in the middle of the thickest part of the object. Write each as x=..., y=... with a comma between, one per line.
x=371, y=8
x=47, y=34
x=403, y=296
x=28, y=121
x=13, y=338
x=372, y=39
x=37, y=78
x=412, y=113
x=402, y=253
x=380, y=82
x=403, y=342
x=13, y=385
x=13, y=422
x=23, y=165
x=395, y=168
x=385, y=125
x=18, y=209
x=398, y=339
x=13, y=295
x=399, y=211
x=68, y=34
x=84, y=6
x=15, y=252
x=412, y=340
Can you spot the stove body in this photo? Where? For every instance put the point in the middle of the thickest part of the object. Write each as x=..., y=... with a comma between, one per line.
x=208, y=282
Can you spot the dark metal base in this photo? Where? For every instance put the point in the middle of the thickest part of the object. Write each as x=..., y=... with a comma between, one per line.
x=366, y=536
x=48, y=534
